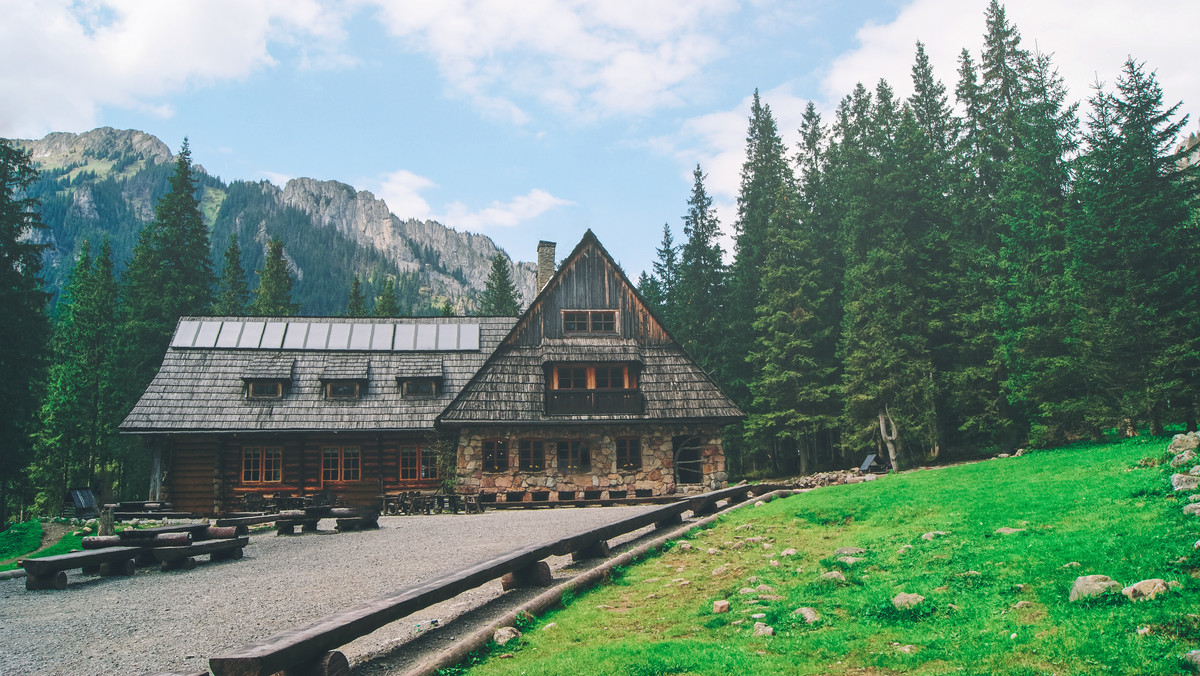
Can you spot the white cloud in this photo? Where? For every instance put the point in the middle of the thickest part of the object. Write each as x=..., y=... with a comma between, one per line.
x=518, y=210
x=580, y=57
x=402, y=189
x=402, y=192
x=76, y=57
x=278, y=179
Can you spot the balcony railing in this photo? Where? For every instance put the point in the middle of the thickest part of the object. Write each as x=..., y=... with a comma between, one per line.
x=595, y=402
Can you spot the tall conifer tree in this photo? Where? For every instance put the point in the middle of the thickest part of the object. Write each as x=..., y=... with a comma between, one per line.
x=273, y=297
x=700, y=290
x=499, y=293
x=232, y=291
x=385, y=304
x=356, y=304
x=25, y=329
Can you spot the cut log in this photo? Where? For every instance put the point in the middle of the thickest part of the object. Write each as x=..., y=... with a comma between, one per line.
x=159, y=540
x=52, y=581
x=535, y=575
x=219, y=533
x=600, y=550
x=198, y=548
x=114, y=568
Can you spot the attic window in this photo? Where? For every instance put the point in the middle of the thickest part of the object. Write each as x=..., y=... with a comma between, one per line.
x=589, y=321
x=265, y=389
x=419, y=388
x=343, y=389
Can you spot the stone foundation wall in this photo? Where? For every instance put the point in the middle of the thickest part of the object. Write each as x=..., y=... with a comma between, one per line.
x=656, y=475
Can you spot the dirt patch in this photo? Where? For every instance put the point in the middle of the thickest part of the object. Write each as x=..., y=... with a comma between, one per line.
x=51, y=533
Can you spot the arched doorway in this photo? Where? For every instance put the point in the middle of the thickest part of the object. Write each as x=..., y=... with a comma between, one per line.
x=688, y=459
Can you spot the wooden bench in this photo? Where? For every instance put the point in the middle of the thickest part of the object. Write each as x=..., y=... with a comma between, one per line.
x=174, y=558
x=50, y=572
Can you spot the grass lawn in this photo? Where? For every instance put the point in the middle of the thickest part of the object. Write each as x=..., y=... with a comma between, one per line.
x=993, y=603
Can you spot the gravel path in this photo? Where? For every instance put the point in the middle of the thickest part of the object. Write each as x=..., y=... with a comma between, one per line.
x=175, y=621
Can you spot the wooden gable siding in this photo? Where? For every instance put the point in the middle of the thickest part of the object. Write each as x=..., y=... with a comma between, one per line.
x=589, y=280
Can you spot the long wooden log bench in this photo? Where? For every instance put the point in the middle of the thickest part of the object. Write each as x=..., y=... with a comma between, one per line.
x=315, y=643
x=49, y=572
x=175, y=558
x=349, y=518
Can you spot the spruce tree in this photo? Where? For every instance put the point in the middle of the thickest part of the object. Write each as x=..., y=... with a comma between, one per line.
x=765, y=176
x=232, y=291
x=273, y=297
x=500, y=294
x=652, y=292
x=666, y=273
x=25, y=329
x=356, y=304
x=700, y=289
x=1133, y=245
x=385, y=304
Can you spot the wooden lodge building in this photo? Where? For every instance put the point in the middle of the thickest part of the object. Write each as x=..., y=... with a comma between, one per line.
x=584, y=397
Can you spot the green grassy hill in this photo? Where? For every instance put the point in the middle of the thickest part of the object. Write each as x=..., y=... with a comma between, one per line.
x=994, y=603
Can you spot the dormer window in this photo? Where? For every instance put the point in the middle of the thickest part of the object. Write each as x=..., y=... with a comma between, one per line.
x=418, y=388
x=264, y=389
x=343, y=389
x=589, y=321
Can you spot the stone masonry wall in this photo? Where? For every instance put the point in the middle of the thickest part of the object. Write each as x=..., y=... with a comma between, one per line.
x=655, y=475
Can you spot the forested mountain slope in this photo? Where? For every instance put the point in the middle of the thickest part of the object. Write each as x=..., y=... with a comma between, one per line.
x=105, y=183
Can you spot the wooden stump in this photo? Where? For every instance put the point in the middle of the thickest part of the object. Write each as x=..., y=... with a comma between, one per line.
x=125, y=568
x=534, y=575
x=185, y=563
x=309, y=526
x=599, y=550
x=106, y=522
x=54, y=581
x=673, y=520
x=349, y=523
x=220, y=532
x=285, y=527
x=227, y=555
x=332, y=663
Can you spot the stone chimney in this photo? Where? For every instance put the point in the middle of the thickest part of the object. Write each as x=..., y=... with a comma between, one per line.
x=545, y=264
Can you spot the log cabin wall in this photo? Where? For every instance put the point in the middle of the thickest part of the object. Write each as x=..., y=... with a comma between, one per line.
x=655, y=477
x=205, y=471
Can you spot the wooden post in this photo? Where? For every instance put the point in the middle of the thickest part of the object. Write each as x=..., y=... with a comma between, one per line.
x=599, y=550
x=106, y=522
x=534, y=575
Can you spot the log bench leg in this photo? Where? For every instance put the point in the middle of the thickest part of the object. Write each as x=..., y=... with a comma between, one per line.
x=285, y=528
x=53, y=581
x=348, y=524
x=309, y=526
x=90, y=569
x=125, y=568
x=184, y=563
x=332, y=663
x=599, y=550
x=534, y=575
x=706, y=509
x=228, y=555
x=673, y=520
x=242, y=530
x=146, y=558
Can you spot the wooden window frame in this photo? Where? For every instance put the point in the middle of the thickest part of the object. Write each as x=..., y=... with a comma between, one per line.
x=424, y=466
x=275, y=393
x=628, y=449
x=407, y=384
x=495, y=458
x=346, y=466
x=568, y=373
x=593, y=322
x=331, y=384
x=575, y=449
x=531, y=455
x=267, y=467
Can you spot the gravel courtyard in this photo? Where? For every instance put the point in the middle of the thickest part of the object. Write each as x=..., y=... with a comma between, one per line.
x=156, y=621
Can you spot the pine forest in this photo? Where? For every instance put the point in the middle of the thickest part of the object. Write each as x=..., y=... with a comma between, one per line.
x=972, y=269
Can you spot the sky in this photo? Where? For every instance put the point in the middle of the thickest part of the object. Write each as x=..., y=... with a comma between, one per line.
x=523, y=119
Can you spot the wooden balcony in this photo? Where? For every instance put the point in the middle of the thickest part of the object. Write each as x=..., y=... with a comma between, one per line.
x=595, y=402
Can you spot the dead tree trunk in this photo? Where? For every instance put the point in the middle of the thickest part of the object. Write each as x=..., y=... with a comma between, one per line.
x=889, y=433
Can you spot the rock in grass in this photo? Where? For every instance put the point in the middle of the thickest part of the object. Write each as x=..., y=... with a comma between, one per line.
x=934, y=534
x=849, y=551
x=904, y=600
x=810, y=615
x=1145, y=590
x=1005, y=530
x=1193, y=509
x=1193, y=658
x=834, y=576
x=1194, y=498
x=685, y=546
x=549, y=626
x=505, y=634
x=1185, y=482
x=720, y=607
x=1195, y=471
x=788, y=552
x=850, y=560
x=1183, y=458
x=1071, y=564
x=761, y=629
x=1181, y=443
x=1088, y=586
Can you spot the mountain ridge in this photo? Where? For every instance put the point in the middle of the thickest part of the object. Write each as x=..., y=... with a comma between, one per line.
x=105, y=183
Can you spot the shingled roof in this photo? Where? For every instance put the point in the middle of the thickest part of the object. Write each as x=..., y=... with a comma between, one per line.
x=511, y=386
x=201, y=384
